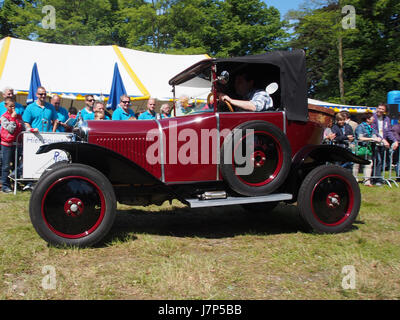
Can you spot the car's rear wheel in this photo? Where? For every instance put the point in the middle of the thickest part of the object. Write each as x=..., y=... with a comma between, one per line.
x=255, y=158
x=74, y=205
x=329, y=199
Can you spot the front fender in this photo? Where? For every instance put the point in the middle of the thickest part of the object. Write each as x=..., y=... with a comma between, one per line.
x=117, y=168
x=312, y=156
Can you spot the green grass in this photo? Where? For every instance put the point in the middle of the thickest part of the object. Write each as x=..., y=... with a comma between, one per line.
x=171, y=252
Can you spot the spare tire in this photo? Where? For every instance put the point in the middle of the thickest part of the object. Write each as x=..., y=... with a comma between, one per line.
x=255, y=158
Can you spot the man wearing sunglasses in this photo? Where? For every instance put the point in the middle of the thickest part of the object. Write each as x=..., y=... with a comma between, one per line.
x=123, y=111
x=87, y=112
x=40, y=116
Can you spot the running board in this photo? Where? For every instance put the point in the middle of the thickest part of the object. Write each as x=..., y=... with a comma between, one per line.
x=197, y=203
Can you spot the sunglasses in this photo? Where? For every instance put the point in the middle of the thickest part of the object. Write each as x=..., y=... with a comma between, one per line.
x=91, y=100
x=125, y=101
x=41, y=94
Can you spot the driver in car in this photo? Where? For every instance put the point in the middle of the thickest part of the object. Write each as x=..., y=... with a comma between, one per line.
x=253, y=99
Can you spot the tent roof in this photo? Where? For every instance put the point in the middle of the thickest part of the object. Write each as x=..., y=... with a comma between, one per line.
x=341, y=107
x=74, y=71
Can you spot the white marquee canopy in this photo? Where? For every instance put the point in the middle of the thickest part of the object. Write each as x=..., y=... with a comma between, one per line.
x=73, y=71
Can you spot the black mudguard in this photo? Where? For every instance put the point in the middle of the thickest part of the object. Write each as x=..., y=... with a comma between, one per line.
x=321, y=154
x=312, y=156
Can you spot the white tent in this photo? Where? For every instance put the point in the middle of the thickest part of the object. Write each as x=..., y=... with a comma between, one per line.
x=73, y=71
x=155, y=70
x=341, y=107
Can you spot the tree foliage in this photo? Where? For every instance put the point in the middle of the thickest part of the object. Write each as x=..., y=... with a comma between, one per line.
x=365, y=58
x=370, y=51
x=219, y=28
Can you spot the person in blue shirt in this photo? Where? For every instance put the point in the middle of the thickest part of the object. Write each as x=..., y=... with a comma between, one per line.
x=99, y=109
x=183, y=107
x=165, y=111
x=40, y=116
x=150, y=113
x=123, y=111
x=62, y=114
x=9, y=93
x=87, y=112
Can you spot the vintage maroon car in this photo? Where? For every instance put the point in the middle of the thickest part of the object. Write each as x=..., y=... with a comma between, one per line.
x=213, y=156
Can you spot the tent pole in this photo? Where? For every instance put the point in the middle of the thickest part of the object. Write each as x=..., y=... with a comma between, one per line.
x=173, y=100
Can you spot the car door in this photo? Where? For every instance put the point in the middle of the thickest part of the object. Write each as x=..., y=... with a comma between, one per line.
x=191, y=145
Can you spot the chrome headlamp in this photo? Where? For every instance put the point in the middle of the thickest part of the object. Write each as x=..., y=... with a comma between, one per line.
x=81, y=131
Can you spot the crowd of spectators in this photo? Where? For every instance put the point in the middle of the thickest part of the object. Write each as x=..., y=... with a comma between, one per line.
x=43, y=116
x=374, y=139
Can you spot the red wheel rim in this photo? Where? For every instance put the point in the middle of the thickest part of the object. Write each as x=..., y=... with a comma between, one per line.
x=332, y=200
x=266, y=156
x=73, y=207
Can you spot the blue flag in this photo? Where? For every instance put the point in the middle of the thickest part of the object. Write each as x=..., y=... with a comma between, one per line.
x=117, y=89
x=35, y=83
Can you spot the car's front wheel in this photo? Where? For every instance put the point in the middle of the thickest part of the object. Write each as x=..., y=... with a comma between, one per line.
x=74, y=205
x=329, y=199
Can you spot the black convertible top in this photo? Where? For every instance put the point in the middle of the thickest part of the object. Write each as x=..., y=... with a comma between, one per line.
x=292, y=75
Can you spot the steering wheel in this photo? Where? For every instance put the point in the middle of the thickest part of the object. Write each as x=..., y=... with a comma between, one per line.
x=227, y=103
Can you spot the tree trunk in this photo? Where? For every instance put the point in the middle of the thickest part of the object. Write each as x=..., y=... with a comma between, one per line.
x=341, y=79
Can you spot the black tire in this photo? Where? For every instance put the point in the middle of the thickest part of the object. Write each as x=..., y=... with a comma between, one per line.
x=329, y=199
x=271, y=157
x=263, y=207
x=74, y=205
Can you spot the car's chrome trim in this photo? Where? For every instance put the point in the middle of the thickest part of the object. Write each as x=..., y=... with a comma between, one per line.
x=284, y=121
x=162, y=150
x=197, y=203
x=84, y=130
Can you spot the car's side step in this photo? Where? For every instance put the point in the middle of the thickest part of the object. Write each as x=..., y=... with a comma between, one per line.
x=197, y=203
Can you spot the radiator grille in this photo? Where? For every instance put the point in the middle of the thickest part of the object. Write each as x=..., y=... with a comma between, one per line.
x=133, y=148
